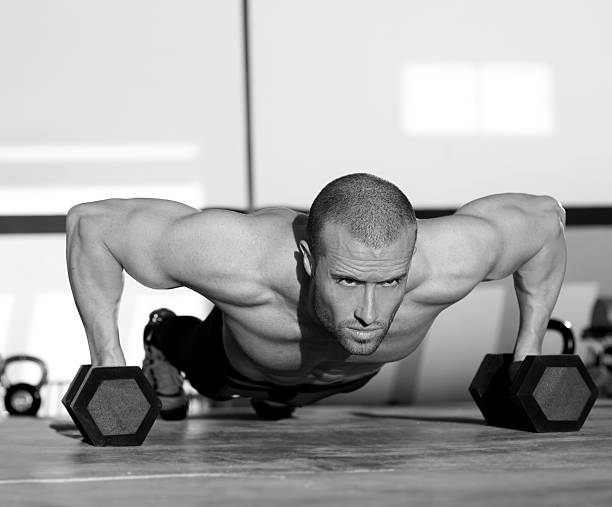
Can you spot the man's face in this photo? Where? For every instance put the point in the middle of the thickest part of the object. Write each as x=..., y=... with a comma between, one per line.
x=358, y=289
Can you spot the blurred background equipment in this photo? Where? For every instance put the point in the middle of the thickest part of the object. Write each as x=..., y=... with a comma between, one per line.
x=22, y=398
x=598, y=339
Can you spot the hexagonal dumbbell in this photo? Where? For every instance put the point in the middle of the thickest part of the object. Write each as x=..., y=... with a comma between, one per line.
x=548, y=393
x=112, y=405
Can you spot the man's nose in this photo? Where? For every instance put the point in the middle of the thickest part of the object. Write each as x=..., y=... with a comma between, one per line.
x=366, y=313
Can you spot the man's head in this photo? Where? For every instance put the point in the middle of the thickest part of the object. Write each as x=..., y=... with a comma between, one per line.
x=360, y=238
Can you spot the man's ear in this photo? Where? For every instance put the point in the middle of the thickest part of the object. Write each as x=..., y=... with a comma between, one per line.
x=306, y=257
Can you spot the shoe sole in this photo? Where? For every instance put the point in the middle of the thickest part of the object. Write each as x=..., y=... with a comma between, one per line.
x=175, y=414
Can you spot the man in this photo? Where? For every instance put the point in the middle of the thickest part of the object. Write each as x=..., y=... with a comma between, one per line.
x=305, y=305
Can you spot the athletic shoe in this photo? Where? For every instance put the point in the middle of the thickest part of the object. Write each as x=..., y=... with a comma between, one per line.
x=271, y=411
x=165, y=378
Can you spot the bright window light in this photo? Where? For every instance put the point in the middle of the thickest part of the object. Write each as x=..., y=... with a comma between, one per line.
x=466, y=99
x=440, y=99
x=35, y=153
x=58, y=200
x=515, y=100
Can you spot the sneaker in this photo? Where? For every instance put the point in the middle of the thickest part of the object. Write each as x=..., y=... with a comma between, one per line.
x=271, y=411
x=165, y=378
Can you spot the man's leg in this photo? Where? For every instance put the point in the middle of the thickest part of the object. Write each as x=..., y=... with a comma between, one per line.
x=177, y=345
x=162, y=374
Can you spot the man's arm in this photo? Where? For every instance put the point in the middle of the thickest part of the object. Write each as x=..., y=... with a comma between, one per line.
x=161, y=244
x=528, y=241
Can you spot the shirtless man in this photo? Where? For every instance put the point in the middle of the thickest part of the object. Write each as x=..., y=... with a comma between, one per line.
x=306, y=306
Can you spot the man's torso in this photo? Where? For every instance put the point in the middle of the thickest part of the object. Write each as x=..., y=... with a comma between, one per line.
x=278, y=340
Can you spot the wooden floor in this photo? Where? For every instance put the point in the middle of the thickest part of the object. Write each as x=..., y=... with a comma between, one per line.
x=329, y=456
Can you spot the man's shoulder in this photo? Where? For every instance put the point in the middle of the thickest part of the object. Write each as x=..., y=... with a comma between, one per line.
x=277, y=229
x=280, y=231
x=255, y=230
x=453, y=254
x=228, y=256
x=275, y=217
x=452, y=237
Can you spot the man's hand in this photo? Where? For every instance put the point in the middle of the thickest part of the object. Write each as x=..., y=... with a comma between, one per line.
x=114, y=358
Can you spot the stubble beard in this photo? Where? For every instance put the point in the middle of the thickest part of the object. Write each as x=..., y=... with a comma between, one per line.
x=349, y=341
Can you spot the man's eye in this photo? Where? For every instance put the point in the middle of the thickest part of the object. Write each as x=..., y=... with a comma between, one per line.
x=347, y=282
x=391, y=283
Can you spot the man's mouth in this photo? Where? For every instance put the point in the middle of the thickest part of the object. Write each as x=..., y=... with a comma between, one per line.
x=364, y=334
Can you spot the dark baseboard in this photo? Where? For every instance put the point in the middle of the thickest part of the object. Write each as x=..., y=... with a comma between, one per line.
x=575, y=217
x=34, y=224
x=56, y=224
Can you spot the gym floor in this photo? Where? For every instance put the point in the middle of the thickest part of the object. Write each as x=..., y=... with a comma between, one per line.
x=332, y=456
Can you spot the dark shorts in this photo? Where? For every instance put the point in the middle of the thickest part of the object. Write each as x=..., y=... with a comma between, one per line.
x=196, y=348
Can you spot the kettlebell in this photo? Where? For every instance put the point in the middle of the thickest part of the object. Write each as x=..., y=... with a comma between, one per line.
x=22, y=398
x=564, y=327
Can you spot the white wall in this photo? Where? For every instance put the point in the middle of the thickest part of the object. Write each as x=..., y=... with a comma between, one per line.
x=120, y=98
x=330, y=97
x=146, y=98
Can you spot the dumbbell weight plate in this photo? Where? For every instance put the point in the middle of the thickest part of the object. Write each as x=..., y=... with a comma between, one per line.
x=490, y=388
x=68, y=398
x=549, y=393
x=112, y=405
x=555, y=392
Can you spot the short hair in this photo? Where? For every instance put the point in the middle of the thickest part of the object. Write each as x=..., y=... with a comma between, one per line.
x=374, y=210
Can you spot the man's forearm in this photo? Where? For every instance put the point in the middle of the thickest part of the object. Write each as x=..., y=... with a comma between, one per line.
x=537, y=284
x=96, y=279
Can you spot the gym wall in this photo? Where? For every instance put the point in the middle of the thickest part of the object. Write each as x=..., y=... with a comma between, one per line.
x=450, y=100
x=125, y=98
x=137, y=98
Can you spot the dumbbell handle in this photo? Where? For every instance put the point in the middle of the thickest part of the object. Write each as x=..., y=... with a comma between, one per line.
x=564, y=327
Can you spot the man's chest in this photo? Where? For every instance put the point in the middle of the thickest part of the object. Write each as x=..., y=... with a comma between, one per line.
x=274, y=346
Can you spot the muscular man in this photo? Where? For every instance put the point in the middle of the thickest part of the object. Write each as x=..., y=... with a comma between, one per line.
x=305, y=305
